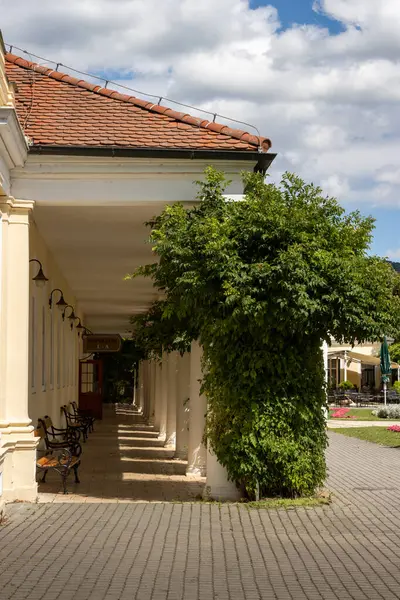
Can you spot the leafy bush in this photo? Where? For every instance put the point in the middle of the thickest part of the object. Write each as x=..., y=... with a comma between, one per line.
x=390, y=411
x=394, y=350
x=396, y=386
x=346, y=385
x=261, y=283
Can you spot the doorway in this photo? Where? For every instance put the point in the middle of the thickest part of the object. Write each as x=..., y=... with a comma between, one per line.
x=91, y=387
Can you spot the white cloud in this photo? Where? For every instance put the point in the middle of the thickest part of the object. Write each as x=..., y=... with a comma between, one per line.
x=329, y=103
x=393, y=254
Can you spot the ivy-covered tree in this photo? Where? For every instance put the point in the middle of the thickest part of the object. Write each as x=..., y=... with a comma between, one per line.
x=261, y=283
x=159, y=330
x=394, y=351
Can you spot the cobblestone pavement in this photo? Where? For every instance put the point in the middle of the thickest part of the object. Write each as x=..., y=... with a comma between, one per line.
x=168, y=551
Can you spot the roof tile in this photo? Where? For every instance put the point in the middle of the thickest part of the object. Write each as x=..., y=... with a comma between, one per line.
x=58, y=109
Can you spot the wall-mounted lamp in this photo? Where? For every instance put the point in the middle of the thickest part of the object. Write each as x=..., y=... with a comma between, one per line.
x=79, y=327
x=61, y=304
x=40, y=279
x=71, y=315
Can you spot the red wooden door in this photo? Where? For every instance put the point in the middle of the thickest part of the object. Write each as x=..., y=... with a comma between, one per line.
x=91, y=387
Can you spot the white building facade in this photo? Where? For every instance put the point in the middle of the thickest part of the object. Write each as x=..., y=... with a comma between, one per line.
x=81, y=170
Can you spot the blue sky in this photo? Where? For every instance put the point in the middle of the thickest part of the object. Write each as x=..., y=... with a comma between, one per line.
x=386, y=235
x=299, y=12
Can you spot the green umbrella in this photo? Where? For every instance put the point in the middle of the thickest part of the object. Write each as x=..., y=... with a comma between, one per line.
x=385, y=365
x=385, y=359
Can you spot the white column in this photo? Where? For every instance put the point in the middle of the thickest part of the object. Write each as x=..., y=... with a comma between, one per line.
x=182, y=407
x=151, y=396
x=140, y=395
x=146, y=389
x=171, y=405
x=157, y=394
x=160, y=419
x=197, y=454
x=345, y=366
x=325, y=359
x=164, y=395
x=218, y=487
x=18, y=444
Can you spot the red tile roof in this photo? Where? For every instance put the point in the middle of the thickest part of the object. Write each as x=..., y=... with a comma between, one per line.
x=57, y=109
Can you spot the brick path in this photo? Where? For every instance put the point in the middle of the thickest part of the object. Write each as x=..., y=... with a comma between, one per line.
x=168, y=551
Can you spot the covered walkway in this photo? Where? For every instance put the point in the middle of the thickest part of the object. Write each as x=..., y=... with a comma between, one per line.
x=124, y=461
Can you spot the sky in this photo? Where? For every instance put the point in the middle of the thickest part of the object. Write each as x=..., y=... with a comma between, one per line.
x=320, y=78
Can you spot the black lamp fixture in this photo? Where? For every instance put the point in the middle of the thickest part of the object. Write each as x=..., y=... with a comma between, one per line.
x=79, y=327
x=61, y=304
x=40, y=279
x=71, y=315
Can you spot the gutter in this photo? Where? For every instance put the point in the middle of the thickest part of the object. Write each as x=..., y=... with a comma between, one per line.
x=261, y=160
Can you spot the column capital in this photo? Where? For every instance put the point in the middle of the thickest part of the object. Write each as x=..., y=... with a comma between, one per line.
x=15, y=211
x=9, y=205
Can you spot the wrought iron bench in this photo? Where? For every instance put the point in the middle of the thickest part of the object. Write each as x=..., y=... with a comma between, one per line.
x=83, y=416
x=56, y=438
x=58, y=458
x=75, y=423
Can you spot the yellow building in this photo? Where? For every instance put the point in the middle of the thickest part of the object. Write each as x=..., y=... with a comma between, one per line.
x=359, y=364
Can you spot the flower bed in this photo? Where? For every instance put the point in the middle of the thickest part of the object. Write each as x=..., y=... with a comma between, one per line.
x=341, y=413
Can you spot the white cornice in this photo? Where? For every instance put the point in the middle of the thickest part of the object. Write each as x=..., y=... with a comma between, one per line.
x=102, y=181
x=80, y=167
x=13, y=147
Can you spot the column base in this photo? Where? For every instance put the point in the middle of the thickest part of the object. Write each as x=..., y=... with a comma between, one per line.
x=19, y=464
x=170, y=441
x=196, y=471
x=2, y=501
x=182, y=454
x=218, y=487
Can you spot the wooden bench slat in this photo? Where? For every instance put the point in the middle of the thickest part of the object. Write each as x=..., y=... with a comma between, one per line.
x=50, y=462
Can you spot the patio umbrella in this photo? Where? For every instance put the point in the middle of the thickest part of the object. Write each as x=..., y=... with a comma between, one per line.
x=385, y=366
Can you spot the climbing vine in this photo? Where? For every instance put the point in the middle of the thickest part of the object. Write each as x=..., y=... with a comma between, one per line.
x=261, y=283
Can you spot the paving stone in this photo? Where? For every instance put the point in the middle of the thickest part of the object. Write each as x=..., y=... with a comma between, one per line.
x=88, y=547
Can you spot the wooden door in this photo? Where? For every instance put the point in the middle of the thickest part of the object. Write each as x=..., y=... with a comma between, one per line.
x=91, y=387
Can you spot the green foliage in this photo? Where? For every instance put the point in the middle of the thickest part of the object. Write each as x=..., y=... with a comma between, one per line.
x=261, y=283
x=159, y=330
x=346, y=385
x=396, y=386
x=394, y=350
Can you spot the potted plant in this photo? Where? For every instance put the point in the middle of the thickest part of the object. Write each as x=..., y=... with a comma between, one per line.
x=346, y=386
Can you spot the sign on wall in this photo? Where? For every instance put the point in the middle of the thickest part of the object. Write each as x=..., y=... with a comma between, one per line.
x=99, y=342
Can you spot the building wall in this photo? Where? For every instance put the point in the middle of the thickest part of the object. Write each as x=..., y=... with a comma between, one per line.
x=53, y=347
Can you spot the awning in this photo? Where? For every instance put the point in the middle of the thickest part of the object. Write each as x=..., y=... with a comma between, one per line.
x=365, y=359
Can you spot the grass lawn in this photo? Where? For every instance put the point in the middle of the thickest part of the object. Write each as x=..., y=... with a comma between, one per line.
x=378, y=435
x=289, y=503
x=361, y=414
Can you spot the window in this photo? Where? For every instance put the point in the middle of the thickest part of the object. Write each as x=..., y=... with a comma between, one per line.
x=59, y=350
x=51, y=353
x=333, y=372
x=44, y=362
x=33, y=343
x=367, y=377
x=67, y=358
